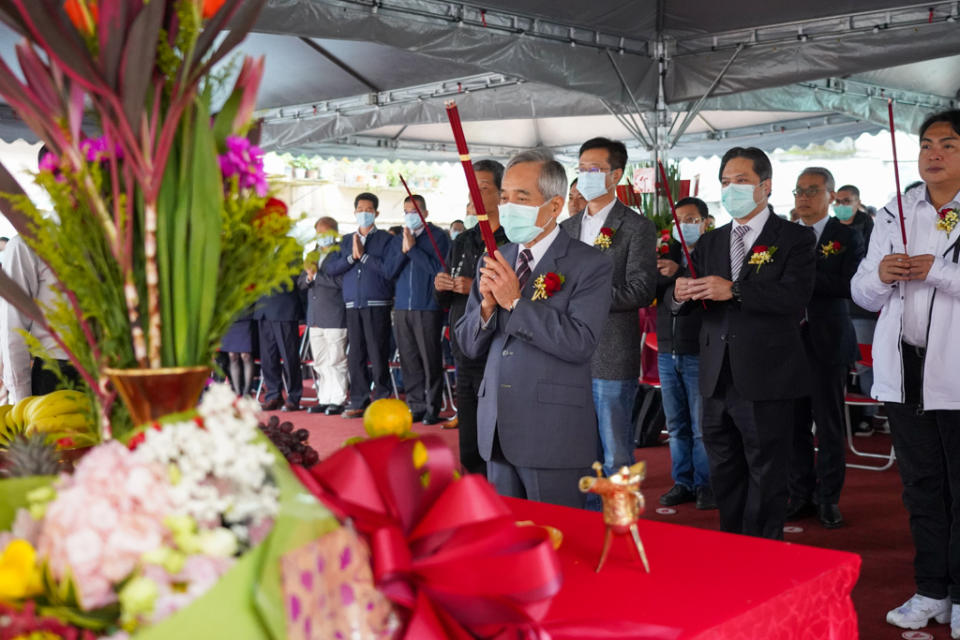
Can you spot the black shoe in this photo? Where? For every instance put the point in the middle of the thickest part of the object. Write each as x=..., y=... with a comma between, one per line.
x=334, y=409
x=429, y=418
x=800, y=509
x=291, y=406
x=272, y=405
x=830, y=516
x=705, y=499
x=677, y=495
x=352, y=413
x=318, y=408
x=418, y=416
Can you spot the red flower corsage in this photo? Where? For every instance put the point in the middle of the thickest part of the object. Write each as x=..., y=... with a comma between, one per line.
x=604, y=238
x=546, y=285
x=762, y=254
x=828, y=249
x=947, y=219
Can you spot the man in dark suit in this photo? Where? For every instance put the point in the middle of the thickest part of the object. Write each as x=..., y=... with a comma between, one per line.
x=278, y=316
x=368, y=268
x=831, y=347
x=537, y=311
x=755, y=276
x=630, y=240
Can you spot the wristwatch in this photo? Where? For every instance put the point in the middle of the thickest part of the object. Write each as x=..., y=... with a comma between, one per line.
x=735, y=291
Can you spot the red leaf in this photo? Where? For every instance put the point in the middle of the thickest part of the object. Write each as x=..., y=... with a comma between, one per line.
x=210, y=7
x=77, y=17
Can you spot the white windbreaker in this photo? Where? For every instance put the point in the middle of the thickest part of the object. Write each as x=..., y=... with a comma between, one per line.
x=941, y=372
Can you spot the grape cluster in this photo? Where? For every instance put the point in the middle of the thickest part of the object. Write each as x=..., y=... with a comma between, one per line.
x=291, y=443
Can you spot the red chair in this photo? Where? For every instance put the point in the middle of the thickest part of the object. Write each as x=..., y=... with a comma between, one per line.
x=859, y=400
x=652, y=379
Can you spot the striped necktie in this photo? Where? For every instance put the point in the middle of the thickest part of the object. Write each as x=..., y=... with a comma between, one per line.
x=738, y=251
x=523, y=269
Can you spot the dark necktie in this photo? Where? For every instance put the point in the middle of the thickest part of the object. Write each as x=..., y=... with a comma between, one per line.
x=523, y=269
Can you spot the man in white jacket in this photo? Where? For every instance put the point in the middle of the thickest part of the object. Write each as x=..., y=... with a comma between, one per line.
x=915, y=354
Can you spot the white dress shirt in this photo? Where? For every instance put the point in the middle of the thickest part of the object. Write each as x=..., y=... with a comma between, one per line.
x=363, y=238
x=817, y=226
x=27, y=270
x=923, y=237
x=590, y=225
x=756, y=226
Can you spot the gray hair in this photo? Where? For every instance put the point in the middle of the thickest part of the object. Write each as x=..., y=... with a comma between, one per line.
x=828, y=181
x=553, y=177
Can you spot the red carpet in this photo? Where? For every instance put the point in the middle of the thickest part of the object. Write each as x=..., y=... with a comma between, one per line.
x=876, y=520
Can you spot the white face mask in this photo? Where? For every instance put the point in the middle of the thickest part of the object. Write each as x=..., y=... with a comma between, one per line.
x=519, y=222
x=738, y=199
x=470, y=221
x=592, y=184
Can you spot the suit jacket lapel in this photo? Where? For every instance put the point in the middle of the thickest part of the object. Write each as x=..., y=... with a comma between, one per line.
x=615, y=219
x=548, y=262
x=574, y=224
x=768, y=237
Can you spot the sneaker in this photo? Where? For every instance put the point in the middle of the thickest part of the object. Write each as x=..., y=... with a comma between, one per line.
x=705, y=499
x=677, y=495
x=916, y=612
x=955, y=622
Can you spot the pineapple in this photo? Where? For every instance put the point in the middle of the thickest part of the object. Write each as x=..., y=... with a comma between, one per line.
x=29, y=455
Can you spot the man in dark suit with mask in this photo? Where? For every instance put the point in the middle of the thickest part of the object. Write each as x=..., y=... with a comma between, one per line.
x=831, y=346
x=755, y=276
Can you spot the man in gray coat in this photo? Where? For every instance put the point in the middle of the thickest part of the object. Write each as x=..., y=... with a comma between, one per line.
x=537, y=312
x=630, y=240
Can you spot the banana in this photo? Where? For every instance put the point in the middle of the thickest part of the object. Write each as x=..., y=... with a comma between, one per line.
x=54, y=404
x=63, y=422
x=29, y=405
x=19, y=408
x=8, y=420
x=4, y=410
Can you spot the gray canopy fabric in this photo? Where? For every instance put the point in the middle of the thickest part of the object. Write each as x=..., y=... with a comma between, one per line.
x=370, y=77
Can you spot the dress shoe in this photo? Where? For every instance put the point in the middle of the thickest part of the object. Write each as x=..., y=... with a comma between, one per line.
x=800, y=509
x=916, y=612
x=830, y=516
x=318, y=408
x=334, y=409
x=705, y=499
x=272, y=405
x=429, y=418
x=352, y=413
x=291, y=406
x=678, y=495
x=418, y=416
x=452, y=423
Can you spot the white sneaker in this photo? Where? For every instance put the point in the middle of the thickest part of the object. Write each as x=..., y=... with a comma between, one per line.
x=916, y=612
x=955, y=621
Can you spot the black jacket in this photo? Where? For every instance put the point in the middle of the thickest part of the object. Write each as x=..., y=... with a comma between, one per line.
x=862, y=222
x=761, y=333
x=282, y=305
x=828, y=332
x=677, y=333
x=325, y=308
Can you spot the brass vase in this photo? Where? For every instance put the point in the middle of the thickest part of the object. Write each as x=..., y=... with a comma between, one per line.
x=153, y=393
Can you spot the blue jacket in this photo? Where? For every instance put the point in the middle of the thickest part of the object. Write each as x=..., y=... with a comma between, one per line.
x=417, y=270
x=367, y=282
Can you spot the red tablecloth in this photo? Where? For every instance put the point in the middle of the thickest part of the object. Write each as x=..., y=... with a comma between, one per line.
x=702, y=584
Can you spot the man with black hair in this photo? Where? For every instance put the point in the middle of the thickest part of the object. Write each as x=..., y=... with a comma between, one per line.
x=630, y=240
x=452, y=291
x=368, y=270
x=916, y=289
x=755, y=276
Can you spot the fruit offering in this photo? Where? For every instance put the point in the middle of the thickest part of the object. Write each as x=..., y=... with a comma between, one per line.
x=291, y=442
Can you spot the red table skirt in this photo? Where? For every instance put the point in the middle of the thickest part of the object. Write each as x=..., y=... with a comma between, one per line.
x=702, y=584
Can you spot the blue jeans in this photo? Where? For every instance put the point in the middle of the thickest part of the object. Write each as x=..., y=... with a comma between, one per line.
x=613, y=400
x=679, y=379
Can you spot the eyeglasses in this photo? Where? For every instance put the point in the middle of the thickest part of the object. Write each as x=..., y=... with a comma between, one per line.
x=694, y=221
x=810, y=192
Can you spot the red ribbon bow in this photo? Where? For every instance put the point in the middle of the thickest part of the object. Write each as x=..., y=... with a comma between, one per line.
x=448, y=551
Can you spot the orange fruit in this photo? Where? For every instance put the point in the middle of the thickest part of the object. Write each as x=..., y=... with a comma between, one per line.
x=387, y=416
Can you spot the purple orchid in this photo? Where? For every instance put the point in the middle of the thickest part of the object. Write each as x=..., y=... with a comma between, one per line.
x=244, y=160
x=96, y=149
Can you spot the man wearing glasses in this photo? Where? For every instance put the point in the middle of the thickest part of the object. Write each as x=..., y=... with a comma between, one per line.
x=831, y=347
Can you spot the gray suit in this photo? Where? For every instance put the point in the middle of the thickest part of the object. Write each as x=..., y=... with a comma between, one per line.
x=634, y=253
x=535, y=402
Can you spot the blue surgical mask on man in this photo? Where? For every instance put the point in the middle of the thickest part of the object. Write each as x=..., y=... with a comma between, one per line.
x=691, y=233
x=412, y=221
x=326, y=240
x=738, y=200
x=470, y=221
x=365, y=218
x=843, y=211
x=519, y=222
x=454, y=234
x=592, y=184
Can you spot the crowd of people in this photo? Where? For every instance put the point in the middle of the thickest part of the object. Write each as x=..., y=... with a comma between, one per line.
x=760, y=330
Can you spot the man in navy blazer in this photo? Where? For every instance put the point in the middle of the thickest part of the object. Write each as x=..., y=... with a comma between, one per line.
x=537, y=312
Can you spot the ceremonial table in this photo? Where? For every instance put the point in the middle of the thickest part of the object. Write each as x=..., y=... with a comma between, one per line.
x=702, y=584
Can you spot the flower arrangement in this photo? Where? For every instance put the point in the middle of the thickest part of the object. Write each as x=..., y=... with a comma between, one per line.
x=663, y=242
x=604, y=239
x=161, y=233
x=139, y=532
x=761, y=255
x=828, y=249
x=546, y=285
x=947, y=219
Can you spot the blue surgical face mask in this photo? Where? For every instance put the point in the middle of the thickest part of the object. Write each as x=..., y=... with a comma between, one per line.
x=454, y=234
x=738, y=200
x=592, y=184
x=326, y=240
x=519, y=222
x=412, y=221
x=365, y=218
x=843, y=211
x=691, y=233
x=470, y=221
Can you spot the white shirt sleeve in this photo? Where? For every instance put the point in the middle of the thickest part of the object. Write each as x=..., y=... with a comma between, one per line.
x=20, y=264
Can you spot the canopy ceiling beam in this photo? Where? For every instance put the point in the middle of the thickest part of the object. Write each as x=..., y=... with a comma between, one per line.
x=353, y=73
x=695, y=111
x=644, y=140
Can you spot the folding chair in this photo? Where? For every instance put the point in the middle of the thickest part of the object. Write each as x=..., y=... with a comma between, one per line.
x=859, y=400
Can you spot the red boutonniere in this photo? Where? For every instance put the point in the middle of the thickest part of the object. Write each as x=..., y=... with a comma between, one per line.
x=604, y=238
x=761, y=255
x=828, y=249
x=947, y=219
x=663, y=242
x=546, y=285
